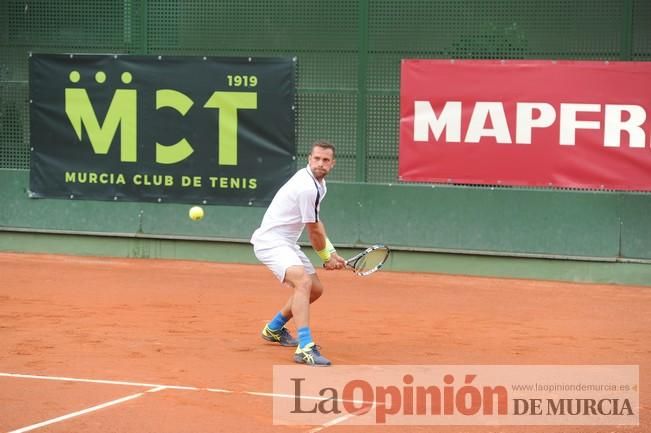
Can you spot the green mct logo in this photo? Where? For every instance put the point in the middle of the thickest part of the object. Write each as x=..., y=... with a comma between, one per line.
x=123, y=112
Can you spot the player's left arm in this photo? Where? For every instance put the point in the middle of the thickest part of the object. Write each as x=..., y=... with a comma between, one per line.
x=318, y=238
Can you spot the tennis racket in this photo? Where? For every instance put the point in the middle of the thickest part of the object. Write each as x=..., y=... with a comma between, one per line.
x=368, y=261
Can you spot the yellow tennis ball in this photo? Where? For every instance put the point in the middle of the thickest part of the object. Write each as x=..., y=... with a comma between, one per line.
x=196, y=213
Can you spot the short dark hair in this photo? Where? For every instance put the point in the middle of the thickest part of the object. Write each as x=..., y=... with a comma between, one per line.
x=325, y=144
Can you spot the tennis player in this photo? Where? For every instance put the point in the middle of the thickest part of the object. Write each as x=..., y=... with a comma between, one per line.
x=296, y=206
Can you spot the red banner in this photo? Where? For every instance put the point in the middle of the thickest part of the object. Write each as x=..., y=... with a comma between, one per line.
x=532, y=123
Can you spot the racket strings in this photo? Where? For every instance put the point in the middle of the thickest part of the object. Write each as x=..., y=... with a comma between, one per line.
x=372, y=260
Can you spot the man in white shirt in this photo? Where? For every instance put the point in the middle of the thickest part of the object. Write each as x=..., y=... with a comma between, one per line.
x=296, y=206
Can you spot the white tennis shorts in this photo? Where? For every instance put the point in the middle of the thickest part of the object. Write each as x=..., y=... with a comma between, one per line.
x=279, y=258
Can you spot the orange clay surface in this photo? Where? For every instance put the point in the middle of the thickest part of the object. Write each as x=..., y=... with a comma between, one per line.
x=197, y=324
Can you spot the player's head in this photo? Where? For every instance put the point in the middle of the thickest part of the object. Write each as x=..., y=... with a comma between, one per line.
x=322, y=158
x=324, y=144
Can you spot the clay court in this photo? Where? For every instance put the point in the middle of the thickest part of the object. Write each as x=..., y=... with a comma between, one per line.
x=131, y=345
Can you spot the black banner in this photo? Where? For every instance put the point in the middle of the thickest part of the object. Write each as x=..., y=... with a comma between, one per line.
x=167, y=129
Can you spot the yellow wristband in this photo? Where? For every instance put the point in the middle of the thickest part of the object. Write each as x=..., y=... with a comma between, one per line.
x=327, y=251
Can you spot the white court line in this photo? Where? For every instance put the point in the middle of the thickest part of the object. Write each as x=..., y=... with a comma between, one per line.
x=156, y=388
x=160, y=388
x=81, y=412
x=108, y=382
x=308, y=397
x=217, y=390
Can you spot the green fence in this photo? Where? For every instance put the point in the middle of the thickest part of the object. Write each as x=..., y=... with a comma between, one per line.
x=349, y=51
x=348, y=81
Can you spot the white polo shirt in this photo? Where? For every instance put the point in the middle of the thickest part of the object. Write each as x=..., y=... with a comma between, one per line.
x=297, y=202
